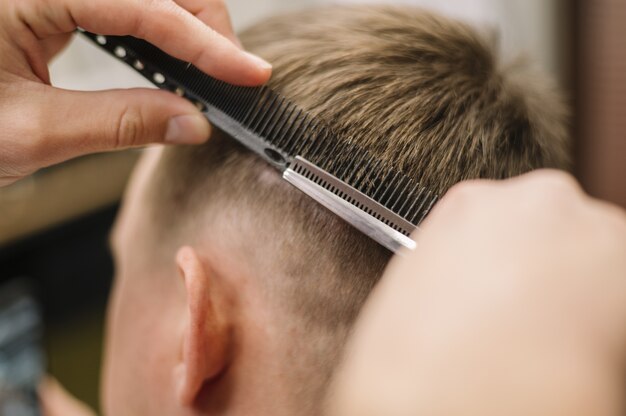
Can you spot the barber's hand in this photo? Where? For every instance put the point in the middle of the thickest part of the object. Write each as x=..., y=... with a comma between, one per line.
x=55, y=401
x=514, y=303
x=41, y=125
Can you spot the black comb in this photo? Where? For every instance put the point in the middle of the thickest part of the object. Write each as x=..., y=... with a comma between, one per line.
x=373, y=196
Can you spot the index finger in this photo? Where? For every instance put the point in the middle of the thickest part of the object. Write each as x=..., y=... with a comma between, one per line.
x=174, y=30
x=213, y=13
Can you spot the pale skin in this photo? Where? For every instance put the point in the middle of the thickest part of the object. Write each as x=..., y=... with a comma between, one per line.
x=535, y=322
x=190, y=330
x=541, y=338
x=513, y=304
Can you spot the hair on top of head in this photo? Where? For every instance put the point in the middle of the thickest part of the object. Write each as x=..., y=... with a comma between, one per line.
x=422, y=92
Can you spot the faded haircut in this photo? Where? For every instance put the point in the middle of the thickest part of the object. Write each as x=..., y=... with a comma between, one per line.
x=423, y=92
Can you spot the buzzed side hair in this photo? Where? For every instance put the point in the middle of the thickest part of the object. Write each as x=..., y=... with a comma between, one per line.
x=425, y=93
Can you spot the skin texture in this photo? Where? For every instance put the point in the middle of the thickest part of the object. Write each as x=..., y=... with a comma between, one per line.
x=191, y=333
x=54, y=400
x=514, y=303
x=424, y=94
x=534, y=325
x=33, y=31
x=428, y=95
x=329, y=274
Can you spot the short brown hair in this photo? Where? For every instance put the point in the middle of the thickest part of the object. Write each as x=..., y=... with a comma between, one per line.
x=418, y=90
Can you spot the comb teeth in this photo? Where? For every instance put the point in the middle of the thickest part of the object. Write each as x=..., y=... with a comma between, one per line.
x=278, y=125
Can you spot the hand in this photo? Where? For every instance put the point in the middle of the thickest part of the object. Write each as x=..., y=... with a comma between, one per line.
x=42, y=125
x=55, y=401
x=514, y=303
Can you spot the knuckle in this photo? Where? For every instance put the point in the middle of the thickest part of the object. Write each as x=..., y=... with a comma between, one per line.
x=460, y=202
x=542, y=189
x=461, y=197
x=219, y=5
x=198, y=54
x=558, y=182
x=135, y=24
x=463, y=192
x=129, y=128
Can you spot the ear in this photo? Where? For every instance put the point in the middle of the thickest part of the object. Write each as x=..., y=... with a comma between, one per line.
x=206, y=337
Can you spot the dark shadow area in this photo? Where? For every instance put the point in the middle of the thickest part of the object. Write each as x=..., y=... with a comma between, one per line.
x=72, y=269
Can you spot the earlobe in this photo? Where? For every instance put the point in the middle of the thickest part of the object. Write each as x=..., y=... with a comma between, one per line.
x=206, y=336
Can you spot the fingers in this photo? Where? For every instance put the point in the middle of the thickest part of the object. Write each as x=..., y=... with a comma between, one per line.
x=162, y=23
x=174, y=30
x=55, y=401
x=65, y=124
x=213, y=13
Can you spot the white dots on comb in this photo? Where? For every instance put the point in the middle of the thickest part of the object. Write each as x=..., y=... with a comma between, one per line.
x=159, y=78
x=120, y=52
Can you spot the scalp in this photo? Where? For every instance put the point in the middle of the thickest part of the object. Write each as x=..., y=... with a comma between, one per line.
x=424, y=93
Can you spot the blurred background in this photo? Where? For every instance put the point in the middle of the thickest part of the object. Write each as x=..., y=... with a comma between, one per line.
x=54, y=225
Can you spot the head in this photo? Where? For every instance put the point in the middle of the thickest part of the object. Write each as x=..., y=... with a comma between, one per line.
x=234, y=292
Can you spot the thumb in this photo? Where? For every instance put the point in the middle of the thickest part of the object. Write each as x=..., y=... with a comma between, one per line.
x=75, y=123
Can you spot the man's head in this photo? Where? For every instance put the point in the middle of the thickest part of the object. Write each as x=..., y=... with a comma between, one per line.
x=234, y=291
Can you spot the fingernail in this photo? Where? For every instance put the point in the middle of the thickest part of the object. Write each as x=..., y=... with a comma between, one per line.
x=189, y=129
x=262, y=63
